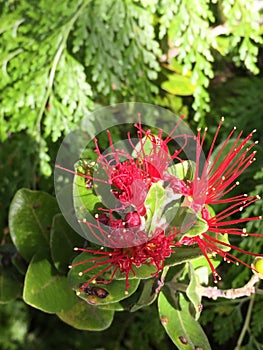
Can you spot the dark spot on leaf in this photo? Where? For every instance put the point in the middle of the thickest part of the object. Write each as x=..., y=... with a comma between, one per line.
x=87, y=290
x=198, y=348
x=95, y=291
x=35, y=205
x=48, y=228
x=164, y=320
x=183, y=340
x=100, y=292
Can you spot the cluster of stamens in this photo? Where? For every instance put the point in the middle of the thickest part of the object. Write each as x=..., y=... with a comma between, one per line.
x=130, y=181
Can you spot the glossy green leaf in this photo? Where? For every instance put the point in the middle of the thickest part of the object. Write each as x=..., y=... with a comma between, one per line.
x=182, y=328
x=85, y=199
x=183, y=171
x=192, y=291
x=183, y=254
x=118, y=306
x=222, y=238
x=200, y=226
x=10, y=286
x=145, y=146
x=44, y=288
x=144, y=271
x=148, y=294
x=178, y=84
x=186, y=220
x=154, y=207
x=143, y=296
x=30, y=219
x=87, y=317
x=62, y=241
x=115, y=290
x=203, y=269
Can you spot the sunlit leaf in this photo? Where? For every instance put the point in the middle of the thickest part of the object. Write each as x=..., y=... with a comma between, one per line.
x=182, y=328
x=44, y=288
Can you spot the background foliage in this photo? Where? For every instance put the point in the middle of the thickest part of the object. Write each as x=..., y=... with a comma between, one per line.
x=62, y=59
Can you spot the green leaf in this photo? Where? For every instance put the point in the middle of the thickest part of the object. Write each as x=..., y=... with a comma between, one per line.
x=143, y=296
x=200, y=226
x=182, y=328
x=222, y=238
x=183, y=254
x=183, y=171
x=10, y=287
x=154, y=207
x=30, y=219
x=203, y=269
x=115, y=290
x=87, y=317
x=144, y=271
x=187, y=221
x=147, y=296
x=118, y=306
x=192, y=291
x=62, y=232
x=46, y=290
x=178, y=84
x=85, y=200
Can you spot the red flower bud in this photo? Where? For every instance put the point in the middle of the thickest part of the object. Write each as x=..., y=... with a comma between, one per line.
x=132, y=219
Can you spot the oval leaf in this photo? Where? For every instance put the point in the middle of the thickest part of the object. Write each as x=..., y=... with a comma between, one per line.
x=113, y=291
x=46, y=290
x=87, y=317
x=183, y=171
x=62, y=232
x=182, y=328
x=30, y=219
x=147, y=296
x=192, y=291
x=183, y=254
x=154, y=207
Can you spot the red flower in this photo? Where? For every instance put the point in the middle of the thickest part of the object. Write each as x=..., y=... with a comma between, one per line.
x=153, y=252
x=130, y=178
x=212, y=241
x=219, y=174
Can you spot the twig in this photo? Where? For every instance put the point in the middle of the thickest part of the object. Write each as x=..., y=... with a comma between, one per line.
x=214, y=292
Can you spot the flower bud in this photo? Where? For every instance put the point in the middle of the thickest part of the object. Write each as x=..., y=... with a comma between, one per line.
x=132, y=219
x=258, y=266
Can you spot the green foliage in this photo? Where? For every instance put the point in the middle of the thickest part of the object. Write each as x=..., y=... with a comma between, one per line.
x=44, y=288
x=226, y=319
x=183, y=329
x=188, y=26
x=256, y=320
x=116, y=39
x=30, y=219
x=243, y=103
x=242, y=21
x=14, y=325
x=58, y=62
x=57, y=59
